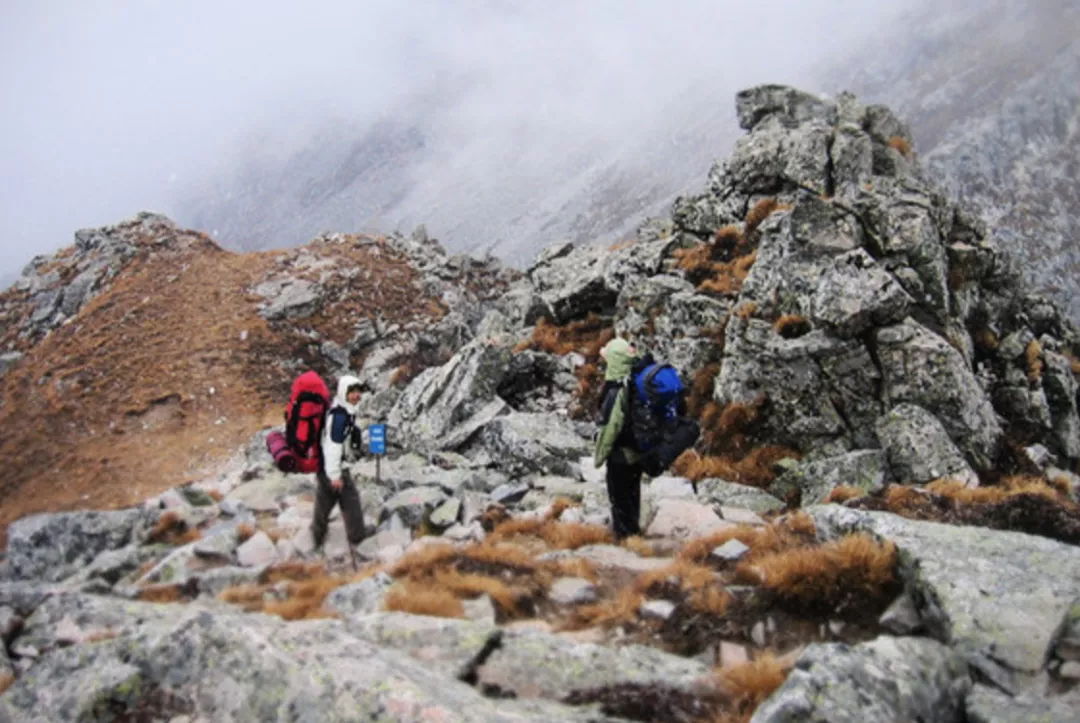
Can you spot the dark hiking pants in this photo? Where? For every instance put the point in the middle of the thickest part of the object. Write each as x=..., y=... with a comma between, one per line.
x=349, y=499
x=624, y=491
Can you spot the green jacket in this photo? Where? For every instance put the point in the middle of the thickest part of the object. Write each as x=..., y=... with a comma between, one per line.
x=619, y=364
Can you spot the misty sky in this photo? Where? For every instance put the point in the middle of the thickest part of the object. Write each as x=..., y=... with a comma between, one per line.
x=115, y=106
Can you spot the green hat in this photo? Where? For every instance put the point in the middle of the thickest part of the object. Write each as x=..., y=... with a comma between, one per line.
x=619, y=355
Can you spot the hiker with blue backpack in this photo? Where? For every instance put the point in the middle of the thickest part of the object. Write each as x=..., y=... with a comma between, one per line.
x=642, y=428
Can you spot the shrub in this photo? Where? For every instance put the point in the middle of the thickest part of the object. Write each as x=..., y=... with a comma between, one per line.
x=900, y=145
x=1033, y=355
x=748, y=685
x=761, y=211
x=843, y=493
x=791, y=326
x=420, y=599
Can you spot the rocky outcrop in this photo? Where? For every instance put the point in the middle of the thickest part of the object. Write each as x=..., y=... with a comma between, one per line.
x=999, y=597
x=888, y=679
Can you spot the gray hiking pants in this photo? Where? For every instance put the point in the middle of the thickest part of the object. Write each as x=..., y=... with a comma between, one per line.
x=349, y=499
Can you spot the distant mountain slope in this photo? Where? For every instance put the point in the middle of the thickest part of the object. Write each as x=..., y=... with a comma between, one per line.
x=990, y=90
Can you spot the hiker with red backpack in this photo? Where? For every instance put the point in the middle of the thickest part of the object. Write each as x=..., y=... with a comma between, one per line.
x=642, y=428
x=341, y=440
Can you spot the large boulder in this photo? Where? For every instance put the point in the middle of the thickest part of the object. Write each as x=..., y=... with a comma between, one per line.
x=997, y=596
x=446, y=397
x=855, y=294
x=987, y=705
x=53, y=546
x=790, y=105
x=213, y=664
x=919, y=367
x=887, y=679
x=522, y=444
x=919, y=449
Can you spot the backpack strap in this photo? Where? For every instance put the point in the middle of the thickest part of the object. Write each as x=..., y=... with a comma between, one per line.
x=647, y=382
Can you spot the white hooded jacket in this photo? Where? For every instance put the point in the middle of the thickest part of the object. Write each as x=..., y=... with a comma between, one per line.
x=334, y=441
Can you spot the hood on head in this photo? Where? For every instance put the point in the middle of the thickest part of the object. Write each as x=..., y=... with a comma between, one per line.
x=619, y=357
x=343, y=385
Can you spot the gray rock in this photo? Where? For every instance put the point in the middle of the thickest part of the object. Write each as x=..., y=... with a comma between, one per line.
x=8, y=360
x=987, y=705
x=113, y=565
x=657, y=609
x=258, y=551
x=10, y=624
x=361, y=598
x=480, y=609
x=251, y=667
x=1061, y=387
x=447, y=513
x=855, y=294
x=887, y=679
x=521, y=444
x=53, y=546
x=611, y=557
x=993, y=594
x=289, y=298
x=1067, y=638
x=919, y=449
x=901, y=617
x=266, y=492
x=535, y=664
x=24, y=597
x=740, y=516
x=921, y=368
x=572, y=591
x=212, y=583
x=662, y=487
x=370, y=547
x=792, y=106
x=413, y=505
x=864, y=469
x=509, y=494
x=443, y=398
x=684, y=519
x=728, y=494
x=730, y=551
x=79, y=290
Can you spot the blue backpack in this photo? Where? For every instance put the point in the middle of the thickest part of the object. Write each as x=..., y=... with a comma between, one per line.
x=659, y=432
x=655, y=404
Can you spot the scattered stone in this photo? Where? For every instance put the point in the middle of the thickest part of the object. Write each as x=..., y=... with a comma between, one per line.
x=657, y=609
x=10, y=624
x=257, y=551
x=684, y=519
x=732, y=655
x=730, y=551
x=572, y=591
x=739, y=516
x=901, y=617
x=481, y=609
x=361, y=598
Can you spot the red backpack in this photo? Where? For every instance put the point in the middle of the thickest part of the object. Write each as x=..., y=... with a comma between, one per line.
x=297, y=450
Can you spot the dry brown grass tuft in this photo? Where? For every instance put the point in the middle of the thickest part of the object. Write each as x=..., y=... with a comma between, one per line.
x=292, y=570
x=586, y=336
x=696, y=260
x=729, y=238
x=639, y=546
x=761, y=211
x=745, y=310
x=1008, y=487
x=471, y=585
x=575, y=567
x=169, y=524
x=748, y=685
x=162, y=593
x=249, y=597
x=900, y=145
x=560, y=505
x=1074, y=363
x=789, y=534
x=843, y=493
x=621, y=609
x=6, y=681
x=188, y=536
x=215, y=495
x=701, y=389
x=852, y=571
x=754, y=469
x=244, y=532
x=559, y=535
x=986, y=340
x=402, y=375
x=698, y=584
x=791, y=326
x=1033, y=356
x=420, y=599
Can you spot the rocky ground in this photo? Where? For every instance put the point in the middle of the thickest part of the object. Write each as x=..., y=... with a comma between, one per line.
x=879, y=523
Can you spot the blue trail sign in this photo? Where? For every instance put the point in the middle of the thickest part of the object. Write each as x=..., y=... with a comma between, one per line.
x=377, y=439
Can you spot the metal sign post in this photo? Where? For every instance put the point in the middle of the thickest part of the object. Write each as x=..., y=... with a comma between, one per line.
x=377, y=445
